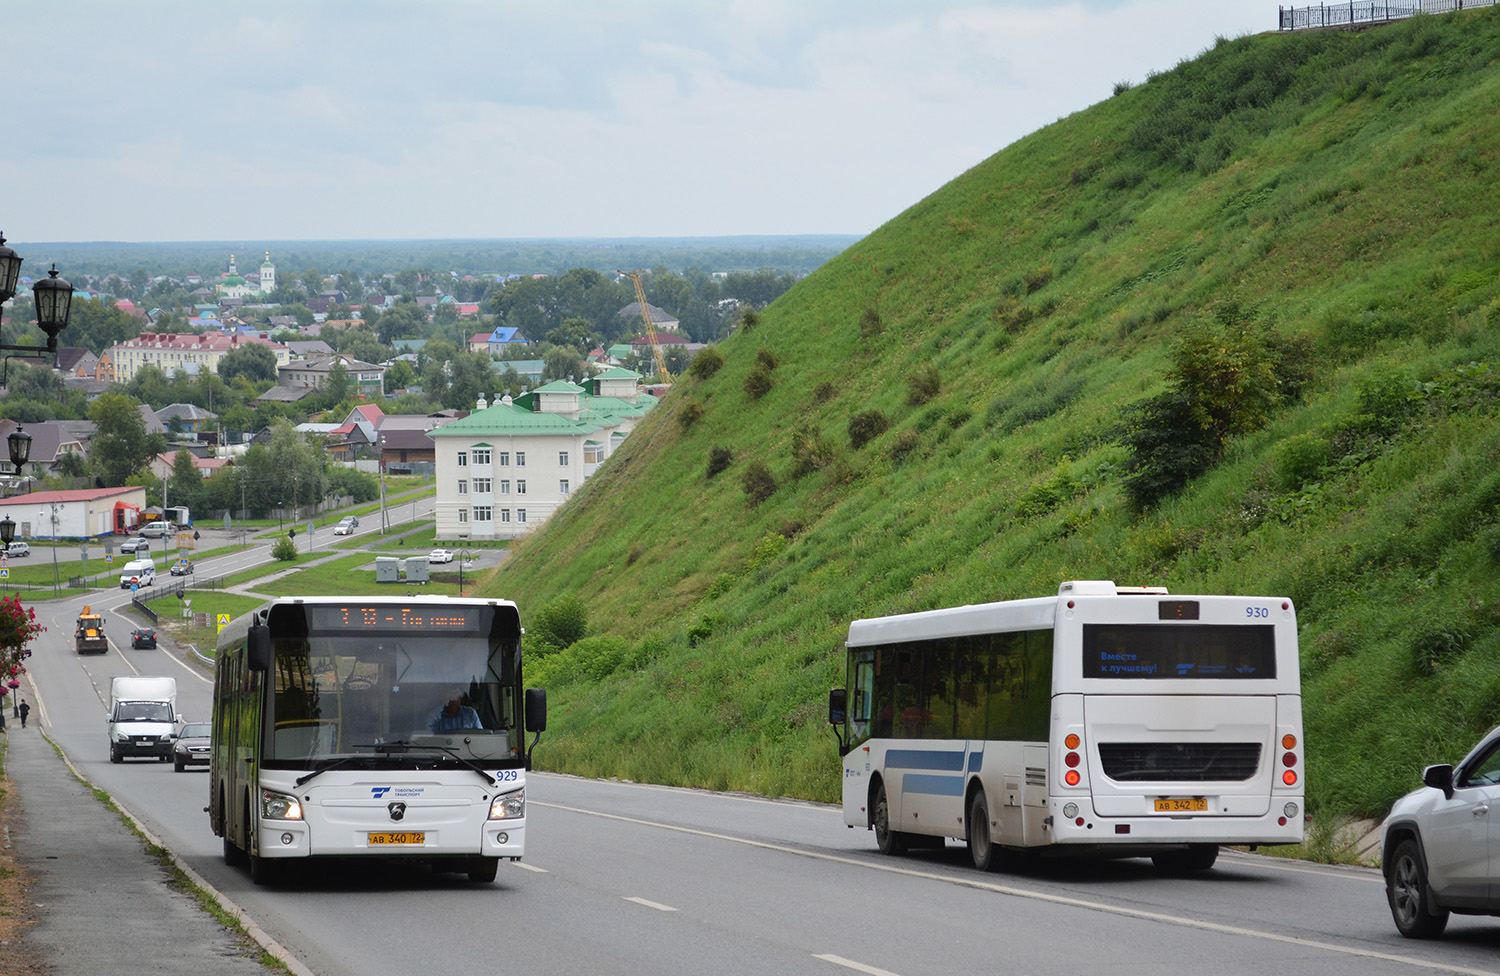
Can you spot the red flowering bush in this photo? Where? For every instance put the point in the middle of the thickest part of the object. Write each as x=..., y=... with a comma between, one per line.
x=17, y=627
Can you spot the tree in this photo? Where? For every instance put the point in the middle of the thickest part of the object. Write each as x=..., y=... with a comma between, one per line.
x=336, y=388
x=121, y=445
x=185, y=484
x=398, y=376
x=251, y=360
x=562, y=362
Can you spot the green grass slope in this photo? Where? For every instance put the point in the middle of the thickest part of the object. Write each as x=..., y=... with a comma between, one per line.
x=1326, y=201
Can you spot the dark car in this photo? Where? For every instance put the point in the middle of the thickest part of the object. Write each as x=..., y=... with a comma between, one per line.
x=135, y=544
x=191, y=745
x=1438, y=845
x=143, y=637
x=182, y=568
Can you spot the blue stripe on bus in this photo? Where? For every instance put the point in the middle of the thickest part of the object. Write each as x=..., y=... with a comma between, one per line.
x=924, y=759
x=976, y=761
x=932, y=785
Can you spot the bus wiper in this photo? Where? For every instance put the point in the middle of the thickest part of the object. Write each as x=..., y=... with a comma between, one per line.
x=402, y=745
x=333, y=764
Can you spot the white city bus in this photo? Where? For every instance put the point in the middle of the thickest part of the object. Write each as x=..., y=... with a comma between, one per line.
x=348, y=727
x=1120, y=721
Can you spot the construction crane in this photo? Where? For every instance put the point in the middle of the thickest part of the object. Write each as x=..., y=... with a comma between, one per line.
x=640, y=296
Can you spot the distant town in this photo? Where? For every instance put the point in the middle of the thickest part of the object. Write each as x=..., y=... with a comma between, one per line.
x=252, y=389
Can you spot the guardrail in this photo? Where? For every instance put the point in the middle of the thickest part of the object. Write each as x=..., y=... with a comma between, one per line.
x=1363, y=13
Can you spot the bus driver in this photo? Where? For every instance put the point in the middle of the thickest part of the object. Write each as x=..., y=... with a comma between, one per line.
x=453, y=714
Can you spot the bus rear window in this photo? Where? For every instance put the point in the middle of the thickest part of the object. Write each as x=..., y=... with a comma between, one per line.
x=1179, y=651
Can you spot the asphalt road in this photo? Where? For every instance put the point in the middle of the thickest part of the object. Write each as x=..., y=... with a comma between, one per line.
x=622, y=878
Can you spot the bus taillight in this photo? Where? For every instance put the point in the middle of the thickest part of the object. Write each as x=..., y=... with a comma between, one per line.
x=1289, y=741
x=1072, y=759
x=1289, y=777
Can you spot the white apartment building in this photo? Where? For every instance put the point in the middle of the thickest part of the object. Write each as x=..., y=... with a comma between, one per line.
x=506, y=468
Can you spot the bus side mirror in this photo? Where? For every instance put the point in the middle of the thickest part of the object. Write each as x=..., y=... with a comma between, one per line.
x=536, y=709
x=258, y=648
x=837, y=711
x=837, y=699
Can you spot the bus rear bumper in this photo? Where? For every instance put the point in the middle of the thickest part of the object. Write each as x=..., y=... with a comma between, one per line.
x=1270, y=829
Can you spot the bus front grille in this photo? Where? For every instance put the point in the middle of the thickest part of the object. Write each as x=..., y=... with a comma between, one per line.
x=1147, y=762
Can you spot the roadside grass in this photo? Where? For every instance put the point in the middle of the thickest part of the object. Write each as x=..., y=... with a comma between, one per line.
x=169, y=611
x=347, y=576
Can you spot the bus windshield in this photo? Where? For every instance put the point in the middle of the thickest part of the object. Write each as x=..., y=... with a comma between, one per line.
x=337, y=695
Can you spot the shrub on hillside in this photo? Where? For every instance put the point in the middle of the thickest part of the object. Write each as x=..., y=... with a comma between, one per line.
x=922, y=385
x=758, y=482
x=758, y=382
x=598, y=656
x=719, y=458
x=870, y=325
x=285, y=549
x=1222, y=383
x=764, y=357
x=865, y=427
x=700, y=631
x=706, y=363
x=562, y=622
x=824, y=392
x=690, y=414
x=749, y=318
x=1299, y=459
x=904, y=443
x=810, y=451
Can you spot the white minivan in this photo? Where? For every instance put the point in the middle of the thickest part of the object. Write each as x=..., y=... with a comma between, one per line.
x=157, y=530
x=141, y=572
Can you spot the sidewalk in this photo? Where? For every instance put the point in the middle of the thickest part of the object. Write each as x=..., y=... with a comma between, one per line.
x=103, y=904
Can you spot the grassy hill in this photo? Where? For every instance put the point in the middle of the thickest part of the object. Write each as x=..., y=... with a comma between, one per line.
x=1230, y=330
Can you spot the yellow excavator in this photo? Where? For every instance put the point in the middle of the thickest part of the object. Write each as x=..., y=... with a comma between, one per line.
x=663, y=378
x=89, y=637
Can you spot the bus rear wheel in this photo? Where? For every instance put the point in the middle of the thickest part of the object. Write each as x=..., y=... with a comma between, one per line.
x=889, y=841
x=1197, y=857
x=981, y=846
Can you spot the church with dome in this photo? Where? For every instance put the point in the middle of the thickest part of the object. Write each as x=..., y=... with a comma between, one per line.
x=233, y=285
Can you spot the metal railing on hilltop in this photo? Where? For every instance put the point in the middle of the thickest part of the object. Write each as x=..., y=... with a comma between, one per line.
x=1363, y=13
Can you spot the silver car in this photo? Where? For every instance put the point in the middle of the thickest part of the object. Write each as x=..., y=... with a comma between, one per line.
x=1440, y=847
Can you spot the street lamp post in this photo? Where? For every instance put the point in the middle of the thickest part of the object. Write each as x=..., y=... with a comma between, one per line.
x=464, y=556
x=53, y=297
x=19, y=444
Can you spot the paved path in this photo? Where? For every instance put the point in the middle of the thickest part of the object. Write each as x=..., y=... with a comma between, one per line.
x=104, y=905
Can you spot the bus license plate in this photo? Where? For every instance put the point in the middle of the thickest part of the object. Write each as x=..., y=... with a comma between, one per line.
x=1182, y=804
x=398, y=837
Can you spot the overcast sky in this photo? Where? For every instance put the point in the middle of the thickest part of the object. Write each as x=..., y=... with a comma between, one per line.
x=334, y=119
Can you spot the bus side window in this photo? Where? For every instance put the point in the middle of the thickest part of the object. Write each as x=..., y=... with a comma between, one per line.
x=863, y=686
x=882, y=697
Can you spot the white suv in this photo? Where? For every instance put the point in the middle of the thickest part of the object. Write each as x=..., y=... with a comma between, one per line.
x=1438, y=844
x=157, y=530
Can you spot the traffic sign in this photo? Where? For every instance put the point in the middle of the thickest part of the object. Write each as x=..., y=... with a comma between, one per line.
x=4, y=573
x=109, y=557
x=134, y=587
x=223, y=621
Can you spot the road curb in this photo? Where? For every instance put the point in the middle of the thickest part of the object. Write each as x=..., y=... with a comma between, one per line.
x=269, y=945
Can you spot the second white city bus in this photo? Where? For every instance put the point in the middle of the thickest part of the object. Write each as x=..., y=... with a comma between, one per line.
x=1121, y=721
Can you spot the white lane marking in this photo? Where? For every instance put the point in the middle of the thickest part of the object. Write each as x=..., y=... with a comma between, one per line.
x=652, y=904
x=530, y=867
x=858, y=967
x=1097, y=906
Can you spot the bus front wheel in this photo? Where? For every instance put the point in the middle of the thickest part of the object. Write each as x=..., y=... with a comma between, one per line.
x=889, y=841
x=981, y=845
x=482, y=870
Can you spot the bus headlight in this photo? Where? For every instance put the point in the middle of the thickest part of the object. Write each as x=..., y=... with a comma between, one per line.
x=511, y=806
x=279, y=806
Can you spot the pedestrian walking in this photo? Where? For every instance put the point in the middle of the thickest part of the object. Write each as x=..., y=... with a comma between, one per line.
x=25, y=711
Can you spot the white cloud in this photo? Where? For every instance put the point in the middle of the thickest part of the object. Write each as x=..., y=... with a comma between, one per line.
x=335, y=118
